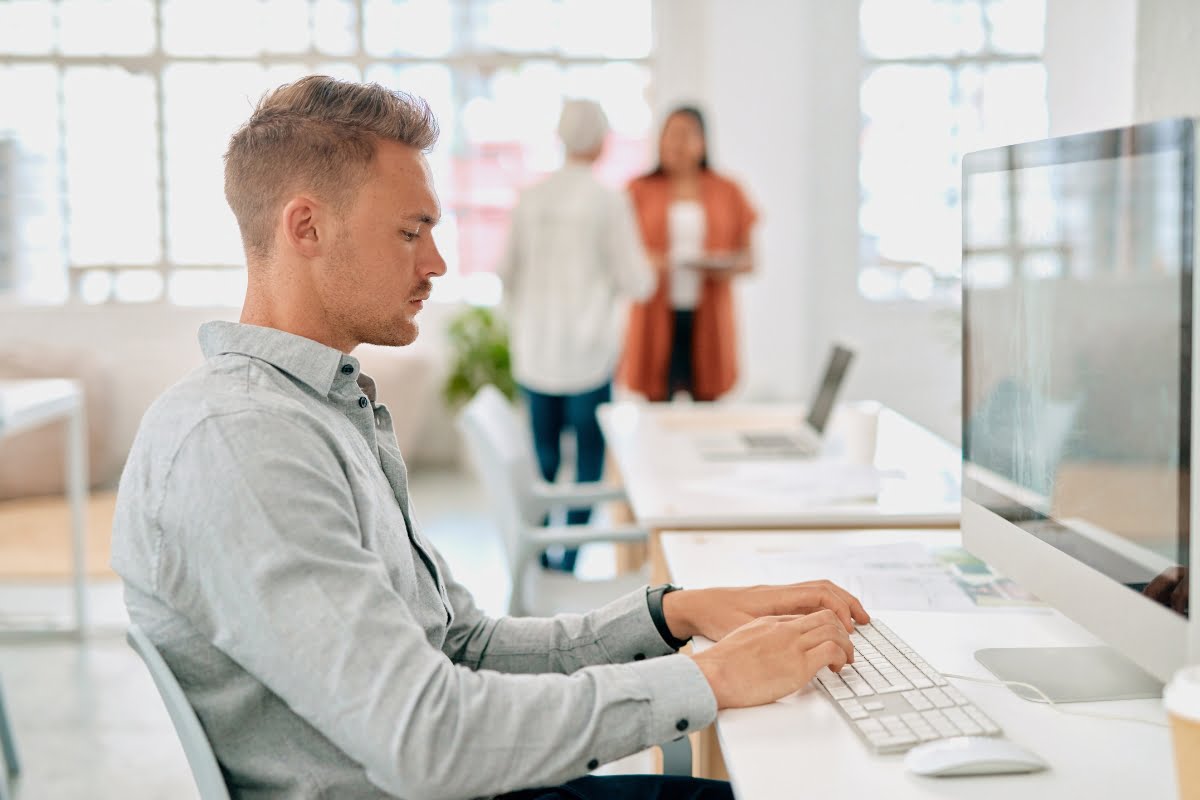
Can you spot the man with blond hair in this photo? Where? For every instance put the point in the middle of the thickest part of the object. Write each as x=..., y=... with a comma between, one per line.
x=270, y=550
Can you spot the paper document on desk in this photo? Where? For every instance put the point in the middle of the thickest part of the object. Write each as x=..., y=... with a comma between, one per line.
x=811, y=481
x=897, y=577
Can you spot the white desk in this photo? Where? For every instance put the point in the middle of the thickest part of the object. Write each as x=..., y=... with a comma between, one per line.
x=27, y=404
x=800, y=746
x=653, y=447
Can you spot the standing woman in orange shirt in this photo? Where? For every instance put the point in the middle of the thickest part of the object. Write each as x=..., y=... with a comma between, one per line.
x=696, y=227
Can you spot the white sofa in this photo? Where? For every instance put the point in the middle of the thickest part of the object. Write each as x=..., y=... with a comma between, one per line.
x=127, y=355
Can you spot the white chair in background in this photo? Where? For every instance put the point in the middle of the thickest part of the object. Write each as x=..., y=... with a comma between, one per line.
x=205, y=769
x=502, y=455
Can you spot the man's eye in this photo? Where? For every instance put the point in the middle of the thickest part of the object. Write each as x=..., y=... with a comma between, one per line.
x=409, y=235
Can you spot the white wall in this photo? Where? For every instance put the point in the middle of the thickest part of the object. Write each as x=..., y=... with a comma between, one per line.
x=1168, y=59
x=1090, y=64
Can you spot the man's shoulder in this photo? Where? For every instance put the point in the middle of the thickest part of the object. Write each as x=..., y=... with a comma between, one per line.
x=226, y=391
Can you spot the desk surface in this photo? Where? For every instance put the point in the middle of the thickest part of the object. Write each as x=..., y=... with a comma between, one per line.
x=800, y=746
x=29, y=403
x=671, y=485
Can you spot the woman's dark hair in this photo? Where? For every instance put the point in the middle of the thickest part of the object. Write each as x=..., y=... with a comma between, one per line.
x=697, y=115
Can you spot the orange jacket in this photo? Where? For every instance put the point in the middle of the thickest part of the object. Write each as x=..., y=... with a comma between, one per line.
x=728, y=220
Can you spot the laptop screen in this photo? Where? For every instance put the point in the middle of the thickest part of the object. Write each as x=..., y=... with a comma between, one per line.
x=835, y=372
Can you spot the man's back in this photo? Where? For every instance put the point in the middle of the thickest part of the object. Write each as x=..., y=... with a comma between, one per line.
x=573, y=255
x=265, y=536
x=239, y=402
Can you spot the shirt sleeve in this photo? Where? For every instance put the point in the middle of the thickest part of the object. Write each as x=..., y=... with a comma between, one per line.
x=625, y=254
x=616, y=633
x=260, y=549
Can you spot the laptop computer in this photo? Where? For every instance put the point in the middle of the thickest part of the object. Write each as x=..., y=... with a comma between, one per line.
x=802, y=441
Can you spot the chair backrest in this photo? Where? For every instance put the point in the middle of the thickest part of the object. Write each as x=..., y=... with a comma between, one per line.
x=500, y=451
x=205, y=769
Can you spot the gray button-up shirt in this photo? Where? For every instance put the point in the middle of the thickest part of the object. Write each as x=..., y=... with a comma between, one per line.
x=270, y=550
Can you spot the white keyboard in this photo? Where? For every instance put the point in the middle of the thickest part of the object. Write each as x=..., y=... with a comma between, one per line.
x=894, y=699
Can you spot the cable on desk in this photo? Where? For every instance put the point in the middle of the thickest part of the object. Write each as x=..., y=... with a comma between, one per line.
x=1047, y=701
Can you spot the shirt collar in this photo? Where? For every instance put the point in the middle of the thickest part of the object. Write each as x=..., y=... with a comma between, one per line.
x=311, y=363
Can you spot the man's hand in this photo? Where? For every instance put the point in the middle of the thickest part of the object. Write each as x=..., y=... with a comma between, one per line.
x=773, y=656
x=713, y=613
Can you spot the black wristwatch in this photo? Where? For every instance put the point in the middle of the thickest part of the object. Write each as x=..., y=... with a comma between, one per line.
x=654, y=601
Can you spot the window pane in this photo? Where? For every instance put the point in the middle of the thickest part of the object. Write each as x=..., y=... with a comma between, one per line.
x=335, y=27
x=205, y=104
x=207, y=287
x=138, y=286
x=202, y=27
x=106, y=27
x=1017, y=26
x=503, y=25
x=31, y=177
x=613, y=29
x=921, y=28
x=408, y=28
x=112, y=170
x=26, y=27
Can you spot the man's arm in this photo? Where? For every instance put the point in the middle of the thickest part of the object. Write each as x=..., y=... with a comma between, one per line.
x=616, y=633
x=264, y=556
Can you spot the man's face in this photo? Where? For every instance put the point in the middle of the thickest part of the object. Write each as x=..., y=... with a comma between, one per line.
x=378, y=271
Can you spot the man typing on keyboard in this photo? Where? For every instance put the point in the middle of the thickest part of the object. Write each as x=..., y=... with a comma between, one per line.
x=271, y=553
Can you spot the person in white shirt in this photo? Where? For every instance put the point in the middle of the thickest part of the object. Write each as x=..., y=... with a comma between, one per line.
x=574, y=258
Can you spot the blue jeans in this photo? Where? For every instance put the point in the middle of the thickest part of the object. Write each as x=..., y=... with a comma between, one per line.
x=629, y=787
x=550, y=415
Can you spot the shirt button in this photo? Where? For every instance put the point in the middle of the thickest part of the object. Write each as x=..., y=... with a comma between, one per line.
x=363, y=402
x=681, y=725
x=593, y=764
x=347, y=369
x=639, y=657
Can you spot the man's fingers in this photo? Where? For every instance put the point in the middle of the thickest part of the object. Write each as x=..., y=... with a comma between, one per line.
x=823, y=594
x=828, y=654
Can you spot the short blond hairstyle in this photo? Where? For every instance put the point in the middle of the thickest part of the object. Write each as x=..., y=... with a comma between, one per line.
x=317, y=135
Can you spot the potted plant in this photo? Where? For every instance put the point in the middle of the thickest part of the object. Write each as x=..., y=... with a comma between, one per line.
x=479, y=355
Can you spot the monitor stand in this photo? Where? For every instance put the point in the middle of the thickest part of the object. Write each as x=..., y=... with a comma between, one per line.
x=1070, y=674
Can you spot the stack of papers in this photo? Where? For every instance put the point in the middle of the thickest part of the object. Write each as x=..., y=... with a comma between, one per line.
x=904, y=576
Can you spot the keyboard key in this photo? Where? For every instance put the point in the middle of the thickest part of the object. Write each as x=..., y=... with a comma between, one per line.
x=869, y=726
x=840, y=692
x=938, y=698
x=955, y=695
x=917, y=700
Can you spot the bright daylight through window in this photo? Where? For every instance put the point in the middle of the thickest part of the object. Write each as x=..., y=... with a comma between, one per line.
x=117, y=112
x=968, y=77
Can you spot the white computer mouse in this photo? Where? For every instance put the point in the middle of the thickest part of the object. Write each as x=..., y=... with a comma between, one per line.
x=971, y=755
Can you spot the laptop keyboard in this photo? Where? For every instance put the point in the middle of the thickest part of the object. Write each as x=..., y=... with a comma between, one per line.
x=776, y=441
x=894, y=699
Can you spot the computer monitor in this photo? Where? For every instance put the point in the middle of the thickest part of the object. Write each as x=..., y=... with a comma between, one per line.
x=1078, y=349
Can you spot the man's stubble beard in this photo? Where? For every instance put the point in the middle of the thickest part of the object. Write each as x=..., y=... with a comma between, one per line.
x=362, y=327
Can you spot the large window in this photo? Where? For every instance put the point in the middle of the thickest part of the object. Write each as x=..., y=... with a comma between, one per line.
x=115, y=115
x=940, y=78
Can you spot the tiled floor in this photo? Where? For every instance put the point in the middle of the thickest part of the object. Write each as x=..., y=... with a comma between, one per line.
x=88, y=721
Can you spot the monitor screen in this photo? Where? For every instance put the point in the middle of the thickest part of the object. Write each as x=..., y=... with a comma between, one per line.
x=1077, y=354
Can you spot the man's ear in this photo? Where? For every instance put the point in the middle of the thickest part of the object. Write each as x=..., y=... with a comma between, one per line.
x=305, y=226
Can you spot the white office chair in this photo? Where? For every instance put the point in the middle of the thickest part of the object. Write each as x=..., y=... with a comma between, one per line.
x=205, y=769
x=500, y=450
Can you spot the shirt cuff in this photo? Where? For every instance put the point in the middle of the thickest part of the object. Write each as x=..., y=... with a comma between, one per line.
x=681, y=702
x=627, y=632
